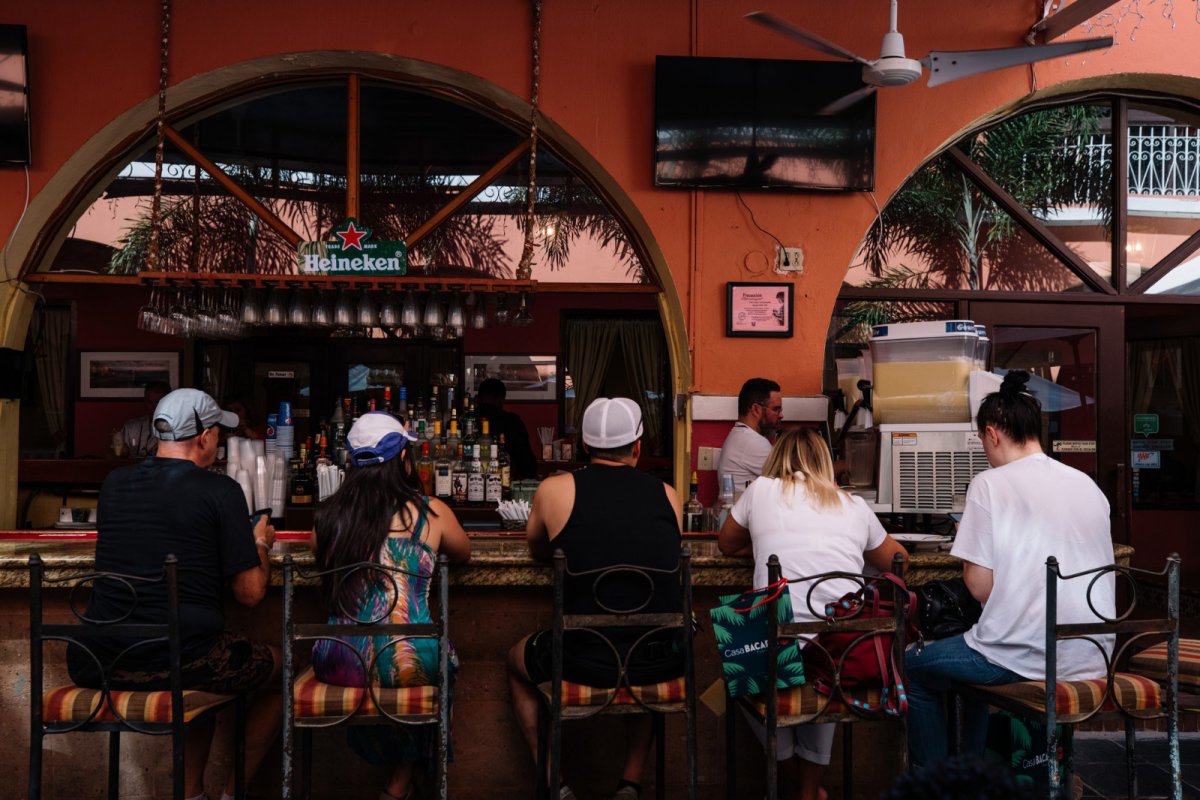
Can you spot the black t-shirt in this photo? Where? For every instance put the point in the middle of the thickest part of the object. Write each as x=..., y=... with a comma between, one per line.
x=152, y=509
x=516, y=439
x=620, y=516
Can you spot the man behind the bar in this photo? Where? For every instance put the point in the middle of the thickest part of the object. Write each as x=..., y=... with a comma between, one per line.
x=490, y=406
x=137, y=432
x=172, y=503
x=602, y=515
x=760, y=409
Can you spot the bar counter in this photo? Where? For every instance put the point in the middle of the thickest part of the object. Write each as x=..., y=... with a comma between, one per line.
x=497, y=560
x=497, y=598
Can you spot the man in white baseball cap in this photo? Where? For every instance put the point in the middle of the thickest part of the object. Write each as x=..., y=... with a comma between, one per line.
x=171, y=503
x=606, y=514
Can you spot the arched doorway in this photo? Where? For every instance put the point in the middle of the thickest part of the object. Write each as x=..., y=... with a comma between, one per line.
x=1071, y=228
x=279, y=129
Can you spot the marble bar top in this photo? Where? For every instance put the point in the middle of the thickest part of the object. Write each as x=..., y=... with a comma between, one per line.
x=496, y=561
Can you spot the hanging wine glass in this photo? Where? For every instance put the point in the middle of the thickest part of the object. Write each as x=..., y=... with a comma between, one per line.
x=455, y=316
x=432, y=317
x=204, y=313
x=276, y=311
x=366, y=316
x=252, y=313
x=148, y=315
x=181, y=320
x=343, y=311
x=410, y=315
x=479, y=315
x=502, y=311
x=228, y=323
x=523, y=318
x=389, y=312
x=300, y=309
x=322, y=311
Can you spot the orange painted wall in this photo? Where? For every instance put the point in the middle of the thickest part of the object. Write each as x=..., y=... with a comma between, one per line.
x=91, y=62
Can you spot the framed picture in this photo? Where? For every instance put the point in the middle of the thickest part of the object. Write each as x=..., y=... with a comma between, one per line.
x=533, y=378
x=103, y=374
x=759, y=309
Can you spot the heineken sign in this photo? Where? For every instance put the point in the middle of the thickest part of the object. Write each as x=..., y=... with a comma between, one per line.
x=351, y=251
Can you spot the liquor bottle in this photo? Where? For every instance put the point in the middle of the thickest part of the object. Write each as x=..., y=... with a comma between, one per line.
x=486, y=447
x=443, y=485
x=402, y=406
x=301, y=492
x=458, y=477
x=452, y=438
x=433, y=429
x=469, y=436
x=493, y=491
x=469, y=422
x=432, y=412
x=387, y=399
x=451, y=409
x=723, y=504
x=418, y=412
x=425, y=469
x=505, y=469
x=476, y=480
x=693, y=512
x=453, y=421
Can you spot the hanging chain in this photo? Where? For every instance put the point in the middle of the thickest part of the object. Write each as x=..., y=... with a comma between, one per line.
x=525, y=270
x=156, y=204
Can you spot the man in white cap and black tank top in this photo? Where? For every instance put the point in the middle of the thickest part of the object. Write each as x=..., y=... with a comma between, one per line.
x=602, y=515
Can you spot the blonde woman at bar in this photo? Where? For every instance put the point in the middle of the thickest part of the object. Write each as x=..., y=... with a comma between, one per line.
x=796, y=511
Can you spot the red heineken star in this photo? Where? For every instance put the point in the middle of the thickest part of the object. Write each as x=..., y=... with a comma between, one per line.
x=351, y=237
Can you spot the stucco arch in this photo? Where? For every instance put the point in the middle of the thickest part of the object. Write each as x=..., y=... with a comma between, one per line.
x=82, y=178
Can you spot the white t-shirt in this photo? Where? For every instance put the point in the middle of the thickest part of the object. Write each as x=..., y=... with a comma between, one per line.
x=1016, y=517
x=807, y=539
x=742, y=455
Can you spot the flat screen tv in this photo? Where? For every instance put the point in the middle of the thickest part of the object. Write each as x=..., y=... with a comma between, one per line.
x=753, y=123
x=14, y=96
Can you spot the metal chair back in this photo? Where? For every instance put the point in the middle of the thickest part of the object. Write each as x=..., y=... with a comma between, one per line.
x=293, y=632
x=633, y=614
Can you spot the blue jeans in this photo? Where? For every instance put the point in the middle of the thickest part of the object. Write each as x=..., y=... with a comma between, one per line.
x=929, y=675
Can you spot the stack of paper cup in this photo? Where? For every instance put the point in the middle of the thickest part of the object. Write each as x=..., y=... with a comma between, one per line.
x=285, y=431
x=243, y=478
x=269, y=441
x=233, y=455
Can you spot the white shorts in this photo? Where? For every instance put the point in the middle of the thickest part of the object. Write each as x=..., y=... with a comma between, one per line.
x=813, y=743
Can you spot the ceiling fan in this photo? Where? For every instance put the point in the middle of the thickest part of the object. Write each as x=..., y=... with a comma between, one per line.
x=894, y=68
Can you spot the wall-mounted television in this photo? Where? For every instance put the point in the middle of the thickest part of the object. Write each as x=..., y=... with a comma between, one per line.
x=752, y=123
x=14, y=96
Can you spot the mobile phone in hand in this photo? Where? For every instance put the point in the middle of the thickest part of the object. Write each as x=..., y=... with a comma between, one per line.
x=262, y=512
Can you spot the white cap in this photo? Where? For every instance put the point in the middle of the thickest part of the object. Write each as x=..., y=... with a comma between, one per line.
x=611, y=422
x=376, y=437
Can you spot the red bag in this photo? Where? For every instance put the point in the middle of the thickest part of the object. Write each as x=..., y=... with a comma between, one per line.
x=869, y=659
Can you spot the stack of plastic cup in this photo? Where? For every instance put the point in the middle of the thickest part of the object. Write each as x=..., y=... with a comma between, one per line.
x=285, y=431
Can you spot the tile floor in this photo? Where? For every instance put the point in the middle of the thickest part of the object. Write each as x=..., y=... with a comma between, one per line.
x=1100, y=764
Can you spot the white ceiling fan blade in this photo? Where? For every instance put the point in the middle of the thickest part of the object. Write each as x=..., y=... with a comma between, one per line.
x=769, y=20
x=844, y=102
x=950, y=66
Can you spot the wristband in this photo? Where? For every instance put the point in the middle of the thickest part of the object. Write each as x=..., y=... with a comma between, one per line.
x=262, y=543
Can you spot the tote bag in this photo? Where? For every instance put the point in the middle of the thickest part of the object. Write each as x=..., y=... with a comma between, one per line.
x=740, y=628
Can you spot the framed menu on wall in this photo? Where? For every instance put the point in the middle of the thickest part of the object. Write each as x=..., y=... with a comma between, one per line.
x=759, y=309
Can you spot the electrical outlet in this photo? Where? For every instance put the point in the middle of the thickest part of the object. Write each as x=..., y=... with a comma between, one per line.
x=704, y=458
x=789, y=259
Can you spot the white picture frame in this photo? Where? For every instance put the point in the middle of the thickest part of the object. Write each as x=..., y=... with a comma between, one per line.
x=526, y=378
x=121, y=374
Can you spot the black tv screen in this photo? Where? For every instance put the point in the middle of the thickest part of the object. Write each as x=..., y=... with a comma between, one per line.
x=753, y=123
x=14, y=96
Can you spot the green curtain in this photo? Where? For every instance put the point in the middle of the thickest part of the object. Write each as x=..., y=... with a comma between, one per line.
x=589, y=347
x=642, y=346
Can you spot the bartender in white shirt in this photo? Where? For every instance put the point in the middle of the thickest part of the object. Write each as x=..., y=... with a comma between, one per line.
x=136, y=431
x=760, y=410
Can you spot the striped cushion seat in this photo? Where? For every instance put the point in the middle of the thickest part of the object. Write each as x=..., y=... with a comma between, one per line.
x=76, y=704
x=311, y=698
x=805, y=702
x=577, y=694
x=1152, y=662
x=1077, y=699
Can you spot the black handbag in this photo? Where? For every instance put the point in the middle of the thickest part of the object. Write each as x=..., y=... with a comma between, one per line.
x=946, y=608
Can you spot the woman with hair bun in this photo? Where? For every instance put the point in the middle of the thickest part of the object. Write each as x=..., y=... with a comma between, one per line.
x=1025, y=509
